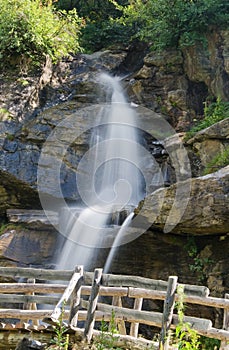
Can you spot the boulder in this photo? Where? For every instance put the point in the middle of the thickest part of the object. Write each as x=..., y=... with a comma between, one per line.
x=207, y=209
x=210, y=142
x=30, y=344
x=26, y=246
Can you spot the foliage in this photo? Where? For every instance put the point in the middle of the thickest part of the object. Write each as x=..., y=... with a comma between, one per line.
x=209, y=343
x=34, y=29
x=98, y=35
x=219, y=161
x=199, y=263
x=102, y=29
x=167, y=23
x=106, y=338
x=61, y=339
x=6, y=227
x=186, y=337
x=213, y=113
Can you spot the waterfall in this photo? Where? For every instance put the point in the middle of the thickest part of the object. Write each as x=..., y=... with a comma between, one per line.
x=116, y=243
x=112, y=184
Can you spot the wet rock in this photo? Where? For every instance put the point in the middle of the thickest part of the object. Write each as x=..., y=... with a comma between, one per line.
x=28, y=344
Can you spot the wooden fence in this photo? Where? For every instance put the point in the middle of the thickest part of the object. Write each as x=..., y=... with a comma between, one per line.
x=85, y=297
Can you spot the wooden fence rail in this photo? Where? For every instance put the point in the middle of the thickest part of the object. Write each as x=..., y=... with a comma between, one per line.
x=89, y=297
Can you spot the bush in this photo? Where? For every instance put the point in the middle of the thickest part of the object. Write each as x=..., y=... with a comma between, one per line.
x=175, y=23
x=34, y=29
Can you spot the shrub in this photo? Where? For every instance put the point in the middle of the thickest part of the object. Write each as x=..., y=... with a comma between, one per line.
x=34, y=29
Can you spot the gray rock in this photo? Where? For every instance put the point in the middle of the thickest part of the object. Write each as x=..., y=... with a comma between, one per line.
x=207, y=209
x=30, y=344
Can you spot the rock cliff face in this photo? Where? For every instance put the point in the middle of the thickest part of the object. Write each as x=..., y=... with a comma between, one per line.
x=172, y=84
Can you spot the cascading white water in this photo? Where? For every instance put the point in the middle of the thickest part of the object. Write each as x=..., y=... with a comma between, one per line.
x=118, y=237
x=115, y=183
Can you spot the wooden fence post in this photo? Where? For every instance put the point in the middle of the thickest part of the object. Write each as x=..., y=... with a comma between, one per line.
x=31, y=306
x=65, y=296
x=117, y=301
x=225, y=344
x=75, y=299
x=89, y=324
x=134, y=326
x=168, y=313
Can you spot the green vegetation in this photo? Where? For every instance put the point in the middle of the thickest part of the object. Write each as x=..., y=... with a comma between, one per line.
x=5, y=227
x=185, y=336
x=213, y=113
x=219, y=161
x=209, y=343
x=199, y=263
x=106, y=339
x=61, y=339
x=177, y=23
x=33, y=29
x=102, y=27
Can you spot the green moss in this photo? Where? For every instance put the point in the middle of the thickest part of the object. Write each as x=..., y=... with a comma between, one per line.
x=4, y=227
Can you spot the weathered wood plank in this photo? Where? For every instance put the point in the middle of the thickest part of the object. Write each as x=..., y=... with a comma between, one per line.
x=117, y=301
x=168, y=313
x=27, y=287
x=89, y=324
x=225, y=344
x=40, y=274
x=38, y=299
x=147, y=283
x=75, y=299
x=160, y=295
x=134, y=325
x=24, y=314
x=66, y=295
x=57, y=288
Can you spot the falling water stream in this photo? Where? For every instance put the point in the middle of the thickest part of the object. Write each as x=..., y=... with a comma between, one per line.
x=113, y=184
x=116, y=243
